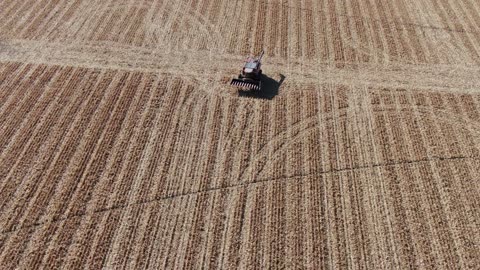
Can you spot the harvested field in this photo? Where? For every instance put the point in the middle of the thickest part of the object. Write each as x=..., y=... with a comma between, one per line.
x=122, y=145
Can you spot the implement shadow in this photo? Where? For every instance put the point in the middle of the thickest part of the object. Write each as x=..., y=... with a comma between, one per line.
x=270, y=88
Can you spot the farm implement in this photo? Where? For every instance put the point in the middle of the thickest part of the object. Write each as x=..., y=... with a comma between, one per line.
x=250, y=77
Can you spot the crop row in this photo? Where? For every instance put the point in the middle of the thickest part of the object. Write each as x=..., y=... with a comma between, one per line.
x=355, y=32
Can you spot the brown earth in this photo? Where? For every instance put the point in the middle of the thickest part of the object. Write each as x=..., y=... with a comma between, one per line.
x=122, y=146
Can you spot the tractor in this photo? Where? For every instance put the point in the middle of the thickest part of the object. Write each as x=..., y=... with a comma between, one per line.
x=250, y=77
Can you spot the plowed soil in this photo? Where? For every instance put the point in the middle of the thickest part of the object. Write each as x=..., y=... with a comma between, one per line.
x=123, y=146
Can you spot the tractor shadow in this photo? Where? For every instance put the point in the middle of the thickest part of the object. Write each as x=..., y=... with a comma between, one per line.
x=270, y=88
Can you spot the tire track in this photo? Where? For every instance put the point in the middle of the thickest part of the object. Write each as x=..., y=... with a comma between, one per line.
x=448, y=76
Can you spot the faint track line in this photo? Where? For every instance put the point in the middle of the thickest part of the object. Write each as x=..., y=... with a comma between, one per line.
x=261, y=181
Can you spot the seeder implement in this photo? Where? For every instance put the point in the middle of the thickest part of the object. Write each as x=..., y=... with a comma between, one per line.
x=246, y=84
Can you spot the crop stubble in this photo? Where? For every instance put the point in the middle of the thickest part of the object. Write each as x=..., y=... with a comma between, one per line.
x=117, y=149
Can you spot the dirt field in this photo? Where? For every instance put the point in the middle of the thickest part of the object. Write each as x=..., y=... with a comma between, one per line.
x=122, y=145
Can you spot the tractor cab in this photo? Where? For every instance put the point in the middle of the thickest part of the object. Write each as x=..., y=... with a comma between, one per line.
x=251, y=67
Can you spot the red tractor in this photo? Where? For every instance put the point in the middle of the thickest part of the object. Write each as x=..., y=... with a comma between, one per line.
x=250, y=78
